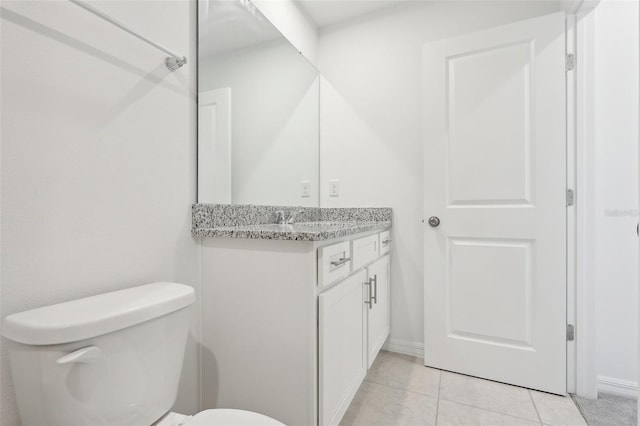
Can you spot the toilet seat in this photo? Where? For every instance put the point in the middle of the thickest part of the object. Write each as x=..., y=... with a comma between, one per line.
x=228, y=417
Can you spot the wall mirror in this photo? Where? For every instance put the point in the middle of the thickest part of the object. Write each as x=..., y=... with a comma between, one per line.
x=258, y=111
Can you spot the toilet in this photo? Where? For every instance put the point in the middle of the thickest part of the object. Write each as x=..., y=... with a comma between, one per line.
x=111, y=359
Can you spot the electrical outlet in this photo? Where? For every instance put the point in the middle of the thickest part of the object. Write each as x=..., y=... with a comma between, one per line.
x=305, y=189
x=334, y=188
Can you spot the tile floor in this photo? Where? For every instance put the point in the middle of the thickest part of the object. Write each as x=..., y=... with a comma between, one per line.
x=400, y=391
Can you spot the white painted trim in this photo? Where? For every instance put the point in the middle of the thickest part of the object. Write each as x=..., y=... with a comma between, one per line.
x=199, y=316
x=405, y=347
x=571, y=107
x=586, y=344
x=617, y=386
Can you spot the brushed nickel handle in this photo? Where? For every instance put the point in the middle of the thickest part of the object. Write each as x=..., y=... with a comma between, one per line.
x=434, y=221
x=375, y=289
x=340, y=262
x=368, y=302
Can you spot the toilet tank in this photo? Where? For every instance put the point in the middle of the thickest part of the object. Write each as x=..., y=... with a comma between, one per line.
x=111, y=359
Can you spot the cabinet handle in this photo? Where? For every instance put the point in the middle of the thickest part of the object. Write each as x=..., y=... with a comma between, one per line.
x=387, y=241
x=375, y=289
x=368, y=302
x=340, y=262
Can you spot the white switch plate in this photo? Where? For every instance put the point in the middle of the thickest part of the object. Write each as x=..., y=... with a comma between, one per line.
x=305, y=189
x=334, y=188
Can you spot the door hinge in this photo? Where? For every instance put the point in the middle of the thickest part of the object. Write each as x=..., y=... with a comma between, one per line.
x=571, y=197
x=571, y=333
x=571, y=62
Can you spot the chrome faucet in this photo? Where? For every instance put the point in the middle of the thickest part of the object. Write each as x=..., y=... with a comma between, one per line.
x=283, y=219
x=292, y=216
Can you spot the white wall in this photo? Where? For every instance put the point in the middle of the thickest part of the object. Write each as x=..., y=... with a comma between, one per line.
x=98, y=158
x=371, y=102
x=274, y=115
x=616, y=193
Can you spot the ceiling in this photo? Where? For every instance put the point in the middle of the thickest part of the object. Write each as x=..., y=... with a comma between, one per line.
x=328, y=12
x=324, y=13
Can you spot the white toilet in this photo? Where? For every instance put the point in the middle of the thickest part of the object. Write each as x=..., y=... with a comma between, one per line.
x=113, y=359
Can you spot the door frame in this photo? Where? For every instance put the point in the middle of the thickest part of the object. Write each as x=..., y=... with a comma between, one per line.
x=207, y=182
x=582, y=352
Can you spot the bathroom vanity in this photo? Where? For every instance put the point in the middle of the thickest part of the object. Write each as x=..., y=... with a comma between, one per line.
x=292, y=315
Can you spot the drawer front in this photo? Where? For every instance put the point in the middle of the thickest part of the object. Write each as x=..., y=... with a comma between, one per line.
x=334, y=262
x=365, y=250
x=385, y=242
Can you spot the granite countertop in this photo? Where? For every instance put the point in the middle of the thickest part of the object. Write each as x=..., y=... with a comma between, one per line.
x=302, y=231
x=260, y=222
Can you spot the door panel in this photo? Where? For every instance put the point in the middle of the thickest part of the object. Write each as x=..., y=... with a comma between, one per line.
x=505, y=268
x=490, y=90
x=495, y=175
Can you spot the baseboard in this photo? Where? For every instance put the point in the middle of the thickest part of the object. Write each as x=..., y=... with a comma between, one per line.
x=617, y=386
x=404, y=347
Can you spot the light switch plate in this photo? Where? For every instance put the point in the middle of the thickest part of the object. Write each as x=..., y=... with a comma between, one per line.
x=305, y=189
x=334, y=188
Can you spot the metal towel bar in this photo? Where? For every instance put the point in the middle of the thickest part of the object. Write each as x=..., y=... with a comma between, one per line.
x=173, y=62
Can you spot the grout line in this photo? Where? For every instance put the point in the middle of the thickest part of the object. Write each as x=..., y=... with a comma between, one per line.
x=438, y=401
x=462, y=403
x=491, y=411
x=535, y=406
x=400, y=389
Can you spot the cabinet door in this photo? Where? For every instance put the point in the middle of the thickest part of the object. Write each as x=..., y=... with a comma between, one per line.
x=342, y=350
x=379, y=321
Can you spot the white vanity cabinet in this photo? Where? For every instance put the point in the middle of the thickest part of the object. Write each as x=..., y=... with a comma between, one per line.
x=287, y=328
x=353, y=324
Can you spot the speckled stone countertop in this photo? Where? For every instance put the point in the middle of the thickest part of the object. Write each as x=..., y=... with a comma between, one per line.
x=259, y=222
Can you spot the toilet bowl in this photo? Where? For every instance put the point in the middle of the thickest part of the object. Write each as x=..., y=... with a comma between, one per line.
x=220, y=416
x=111, y=359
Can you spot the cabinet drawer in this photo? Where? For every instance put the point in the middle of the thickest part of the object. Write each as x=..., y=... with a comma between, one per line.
x=334, y=262
x=365, y=250
x=385, y=242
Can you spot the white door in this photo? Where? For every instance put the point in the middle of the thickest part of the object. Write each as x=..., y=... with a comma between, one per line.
x=495, y=266
x=214, y=146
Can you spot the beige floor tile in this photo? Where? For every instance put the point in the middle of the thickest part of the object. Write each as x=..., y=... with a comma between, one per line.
x=488, y=395
x=557, y=410
x=454, y=414
x=404, y=372
x=376, y=404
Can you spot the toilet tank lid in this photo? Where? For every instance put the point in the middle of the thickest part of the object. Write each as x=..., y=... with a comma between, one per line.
x=96, y=315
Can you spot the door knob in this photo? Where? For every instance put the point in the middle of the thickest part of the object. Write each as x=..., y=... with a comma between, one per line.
x=434, y=221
